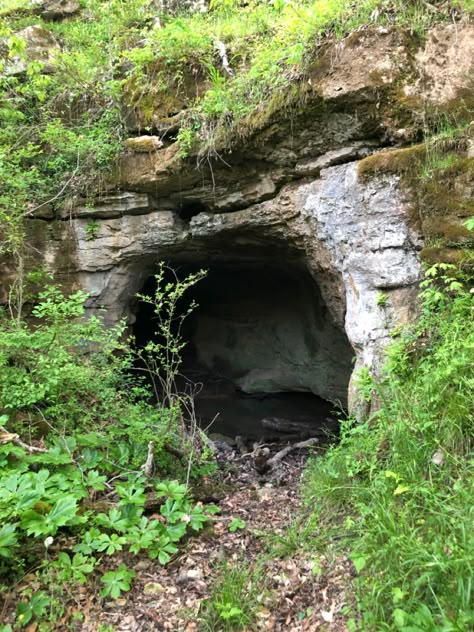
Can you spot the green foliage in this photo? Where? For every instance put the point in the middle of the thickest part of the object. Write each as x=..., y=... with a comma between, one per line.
x=401, y=483
x=234, y=598
x=33, y=608
x=382, y=299
x=62, y=129
x=92, y=230
x=470, y=223
x=236, y=523
x=162, y=356
x=116, y=582
x=66, y=388
x=364, y=383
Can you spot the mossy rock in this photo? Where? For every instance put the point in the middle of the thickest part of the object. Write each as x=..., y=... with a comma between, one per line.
x=463, y=258
x=452, y=231
x=408, y=160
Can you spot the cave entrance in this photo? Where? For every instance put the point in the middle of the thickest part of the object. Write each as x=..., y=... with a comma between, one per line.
x=261, y=344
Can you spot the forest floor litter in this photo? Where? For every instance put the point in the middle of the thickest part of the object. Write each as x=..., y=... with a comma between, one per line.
x=296, y=599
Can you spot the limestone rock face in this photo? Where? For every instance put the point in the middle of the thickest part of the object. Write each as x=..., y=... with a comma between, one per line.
x=445, y=65
x=285, y=203
x=40, y=46
x=143, y=144
x=364, y=227
x=345, y=240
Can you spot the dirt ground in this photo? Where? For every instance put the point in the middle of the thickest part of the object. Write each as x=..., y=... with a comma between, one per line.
x=304, y=589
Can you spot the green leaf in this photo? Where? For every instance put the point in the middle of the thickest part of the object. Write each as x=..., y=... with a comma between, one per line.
x=398, y=595
x=469, y=223
x=173, y=489
x=8, y=540
x=117, y=581
x=237, y=523
x=359, y=562
x=62, y=512
x=400, y=489
x=95, y=480
x=399, y=617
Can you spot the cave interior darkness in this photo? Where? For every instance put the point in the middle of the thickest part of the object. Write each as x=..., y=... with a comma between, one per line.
x=261, y=343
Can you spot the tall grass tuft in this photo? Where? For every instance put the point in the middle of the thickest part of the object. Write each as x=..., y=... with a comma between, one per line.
x=404, y=479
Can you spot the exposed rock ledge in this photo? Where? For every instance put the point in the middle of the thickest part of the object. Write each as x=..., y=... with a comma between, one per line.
x=352, y=236
x=290, y=193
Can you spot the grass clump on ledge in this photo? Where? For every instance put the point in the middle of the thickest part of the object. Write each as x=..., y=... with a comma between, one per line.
x=63, y=124
x=401, y=485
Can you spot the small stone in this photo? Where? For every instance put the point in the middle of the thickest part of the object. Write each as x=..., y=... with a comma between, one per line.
x=437, y=458
x=153, y=588
x=217, y=436
x=142, y=565
x=192, y=574
x=327, y=615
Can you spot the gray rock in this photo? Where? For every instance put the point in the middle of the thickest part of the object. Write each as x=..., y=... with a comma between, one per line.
x=40, y=45
x=111, y=205
x=352, y=235
x=313, y=166
x=58, y=9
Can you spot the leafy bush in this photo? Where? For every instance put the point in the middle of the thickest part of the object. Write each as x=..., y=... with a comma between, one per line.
x=76, y=428
x=402, y=483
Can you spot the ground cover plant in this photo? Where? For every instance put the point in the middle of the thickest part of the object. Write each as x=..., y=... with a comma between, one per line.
x=88, y=465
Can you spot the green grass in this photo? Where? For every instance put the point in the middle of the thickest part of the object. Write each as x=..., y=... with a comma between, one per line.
x=9, y=6
x=402, y=483
x=396, y=494
x=235, y=595
x=62, y=131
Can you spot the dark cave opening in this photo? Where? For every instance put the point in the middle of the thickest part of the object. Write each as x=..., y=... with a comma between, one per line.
x=260, y=344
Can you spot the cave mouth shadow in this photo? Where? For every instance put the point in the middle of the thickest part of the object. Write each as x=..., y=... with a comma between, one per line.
x=260, y=344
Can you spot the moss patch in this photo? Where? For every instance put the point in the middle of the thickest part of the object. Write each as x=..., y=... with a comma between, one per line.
x=457, y=256
x=406, y=161
x=439, y=174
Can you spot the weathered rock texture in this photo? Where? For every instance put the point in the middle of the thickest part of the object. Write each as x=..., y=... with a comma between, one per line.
x=40, y=46
x=287, y=194
x=350, y=237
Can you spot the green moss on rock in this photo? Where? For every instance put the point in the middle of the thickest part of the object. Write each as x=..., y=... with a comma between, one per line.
x=406, y=161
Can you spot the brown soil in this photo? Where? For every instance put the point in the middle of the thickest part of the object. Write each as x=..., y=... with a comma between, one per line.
x=296, y=598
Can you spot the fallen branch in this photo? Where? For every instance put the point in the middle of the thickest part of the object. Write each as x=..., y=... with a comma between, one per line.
x=279, y=456
x=7, y=437
x=174, y=451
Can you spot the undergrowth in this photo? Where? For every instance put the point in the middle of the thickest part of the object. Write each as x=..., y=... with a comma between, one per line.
x=236, y=593
x=92, y=472
x=399, y=487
